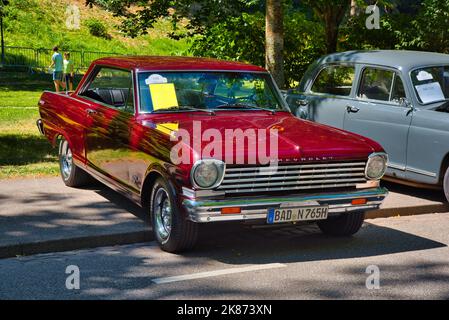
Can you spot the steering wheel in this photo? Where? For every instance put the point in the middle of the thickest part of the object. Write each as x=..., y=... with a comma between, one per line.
x=250, y=98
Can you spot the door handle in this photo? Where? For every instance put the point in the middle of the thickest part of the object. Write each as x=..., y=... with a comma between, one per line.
x=91, y=112
x=352, y=109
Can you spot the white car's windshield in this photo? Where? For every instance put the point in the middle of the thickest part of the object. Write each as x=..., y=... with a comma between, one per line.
x=184, y=91
x=431, y=84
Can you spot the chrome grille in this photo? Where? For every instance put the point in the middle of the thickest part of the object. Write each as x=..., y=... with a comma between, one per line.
x=290, y=177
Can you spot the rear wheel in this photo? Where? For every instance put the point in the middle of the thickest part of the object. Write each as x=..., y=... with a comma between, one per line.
x=345, y=225
x=446, y=184
x=70, y=173
x=171, y=230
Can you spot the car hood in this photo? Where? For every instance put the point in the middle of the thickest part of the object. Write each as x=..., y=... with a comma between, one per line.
x=298, y=140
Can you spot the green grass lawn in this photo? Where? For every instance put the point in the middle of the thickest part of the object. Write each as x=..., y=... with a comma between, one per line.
x=23, y=151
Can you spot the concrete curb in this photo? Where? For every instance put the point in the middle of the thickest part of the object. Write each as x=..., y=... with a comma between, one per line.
x=69, y=244
x=88, y=242
x=407, y=211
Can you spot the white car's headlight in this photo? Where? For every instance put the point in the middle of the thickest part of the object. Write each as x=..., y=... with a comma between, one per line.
x=207, y=173
x=376, y=166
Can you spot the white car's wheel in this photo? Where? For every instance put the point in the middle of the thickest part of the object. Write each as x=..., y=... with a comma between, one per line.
x=446, y=184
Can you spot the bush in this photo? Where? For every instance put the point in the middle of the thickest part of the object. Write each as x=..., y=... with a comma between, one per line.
x=97, y=29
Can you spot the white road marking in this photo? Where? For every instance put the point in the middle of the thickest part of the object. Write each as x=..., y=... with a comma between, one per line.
x=216, y=273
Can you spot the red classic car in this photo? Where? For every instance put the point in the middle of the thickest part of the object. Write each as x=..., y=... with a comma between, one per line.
x=187, y=139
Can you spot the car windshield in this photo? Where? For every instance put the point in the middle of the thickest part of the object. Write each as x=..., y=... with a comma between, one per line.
x=431, y=84
x=190, y=91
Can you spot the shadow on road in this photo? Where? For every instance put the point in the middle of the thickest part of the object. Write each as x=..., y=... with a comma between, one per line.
x=427, y=194
x=241, y=245
x=50, y=211
x=238, y=244
x=128, y=271
x=119, y=200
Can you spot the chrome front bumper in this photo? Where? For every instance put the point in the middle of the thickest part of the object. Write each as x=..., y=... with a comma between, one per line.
x=254, y=208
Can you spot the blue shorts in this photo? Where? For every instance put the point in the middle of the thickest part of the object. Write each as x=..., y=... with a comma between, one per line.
x=57, y=75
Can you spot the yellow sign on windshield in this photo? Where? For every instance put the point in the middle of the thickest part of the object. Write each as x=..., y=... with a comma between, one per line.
x=168, y=127
x=163, y=95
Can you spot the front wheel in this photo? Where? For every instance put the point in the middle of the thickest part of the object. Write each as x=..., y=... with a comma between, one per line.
x=446, y=184
x=171, y=230
x=343, y=226
x=71, y=175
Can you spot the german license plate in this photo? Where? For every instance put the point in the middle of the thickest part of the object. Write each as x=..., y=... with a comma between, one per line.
x=281, y=215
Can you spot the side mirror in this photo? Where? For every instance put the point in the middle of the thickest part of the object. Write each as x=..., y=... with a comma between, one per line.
x=404, y=102
x=302, y=102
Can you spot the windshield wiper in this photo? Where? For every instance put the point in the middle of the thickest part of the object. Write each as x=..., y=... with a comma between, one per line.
x=244, y=106
x=184, y=108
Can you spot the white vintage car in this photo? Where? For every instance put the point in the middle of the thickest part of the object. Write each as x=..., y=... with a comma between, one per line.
x=397, y=98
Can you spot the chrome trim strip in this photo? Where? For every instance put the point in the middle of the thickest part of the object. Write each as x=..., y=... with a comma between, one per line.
x=244, y=202
x=293, y=177
x=210, y=210
x=318, y=186
x=396, y=166
x=282, y=178
x=423, y=172
x=115, y=185
x=291, y=183
x=298, y=166
x=256, y=215
x=273, y=173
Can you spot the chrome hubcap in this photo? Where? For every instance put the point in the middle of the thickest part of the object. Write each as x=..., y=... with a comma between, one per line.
x=163, y=214
x=66, y=160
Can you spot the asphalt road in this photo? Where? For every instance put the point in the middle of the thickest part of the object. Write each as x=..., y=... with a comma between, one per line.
x=411, y=254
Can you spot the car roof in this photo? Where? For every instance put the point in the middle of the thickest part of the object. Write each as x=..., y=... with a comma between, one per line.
x=400, y=59
x=174, y=63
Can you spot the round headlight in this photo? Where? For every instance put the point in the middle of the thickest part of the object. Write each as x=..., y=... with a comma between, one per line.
x=207, y=174
x=376, y=166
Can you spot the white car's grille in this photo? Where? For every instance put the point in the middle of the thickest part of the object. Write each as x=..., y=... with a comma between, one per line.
x=291, y=177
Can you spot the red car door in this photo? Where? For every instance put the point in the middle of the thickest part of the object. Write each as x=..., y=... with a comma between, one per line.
x=107, y=139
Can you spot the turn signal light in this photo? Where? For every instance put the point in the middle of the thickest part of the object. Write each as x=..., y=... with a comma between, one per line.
x=357, y=202
x=234, y=210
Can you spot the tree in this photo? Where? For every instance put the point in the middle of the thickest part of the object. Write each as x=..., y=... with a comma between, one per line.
x=428, y=29
x=243, y=39
x=203, y=15
x=402, y=26
x=274, y=40
x=332, y=13
x=353, y=8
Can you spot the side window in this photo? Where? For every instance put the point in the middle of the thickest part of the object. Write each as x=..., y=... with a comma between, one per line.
x=112, y=87
x=335, y=80
x=381, y=85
